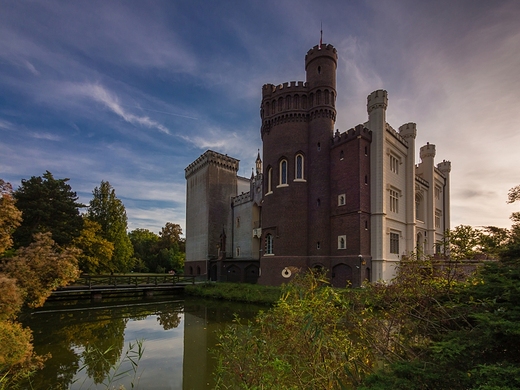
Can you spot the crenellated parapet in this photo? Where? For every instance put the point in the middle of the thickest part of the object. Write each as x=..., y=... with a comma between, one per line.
x=245, y=197
x=377, y=99
x=212, y=158
x=444, y=167
x=408, y=130
x=359, y=131
x=396, y=135
x=321, y=51
x=427, y=151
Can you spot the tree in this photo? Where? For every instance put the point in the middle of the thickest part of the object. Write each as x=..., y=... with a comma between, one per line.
x=10, y=216
x=96, y=251
x=464, y=242
x=41, y=267
x=144, y=242
x=47, y=204
x=109, y=212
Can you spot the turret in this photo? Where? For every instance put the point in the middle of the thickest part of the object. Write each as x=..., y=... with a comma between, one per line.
x=320, y=66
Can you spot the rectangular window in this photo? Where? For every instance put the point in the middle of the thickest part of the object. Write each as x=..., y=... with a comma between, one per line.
x=342, y=242
x=394, y=201
x=394, y=164
x=437, y=192
x=394, y=243
x=438, y=214
x=341, y=200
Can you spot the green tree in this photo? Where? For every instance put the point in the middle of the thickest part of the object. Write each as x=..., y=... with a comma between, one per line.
x=464, y=242
x=10, y=216
x=144, y=243
x=109, y=212
x=172, y=247
x=47, y=205
x=97, y=252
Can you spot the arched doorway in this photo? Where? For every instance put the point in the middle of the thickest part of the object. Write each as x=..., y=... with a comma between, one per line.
x=252, y=273
x=341, y=275
x=233, y=274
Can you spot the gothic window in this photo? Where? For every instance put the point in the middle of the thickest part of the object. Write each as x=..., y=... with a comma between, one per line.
x=318, y=97
x=304, y=101
x=311, y=100
x=269, y=244
x=283, y=172
x=394, y=201
x=288, y=102
x=269, y=180
x=419, y=207
x=296, y=101
x=273, y=107
x=342, y=242
x=280, y=104
x=394, y=243
x=332, y=99
x=299, y=167
x=326, y=96
x=438, y=214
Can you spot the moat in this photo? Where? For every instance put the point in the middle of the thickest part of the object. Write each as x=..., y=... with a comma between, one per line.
x=178, y=334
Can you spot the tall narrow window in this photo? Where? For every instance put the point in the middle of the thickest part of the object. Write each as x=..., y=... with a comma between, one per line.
x=269, y=244
x=283, y=172
x=299, y=167
x=394, y=164
x=394, y=243
x=394, y=201
x=269, y=180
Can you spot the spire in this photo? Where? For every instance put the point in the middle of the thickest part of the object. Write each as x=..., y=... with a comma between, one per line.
x=258, y=163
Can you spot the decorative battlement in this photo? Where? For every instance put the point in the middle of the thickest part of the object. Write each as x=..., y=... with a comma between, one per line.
x=244, y=197
x=359, y=131
x=212, y=158
x=396, y=135
x=408, y=130
x=326, y=50
x=444, y=167
x=427, y=150
x=377, y=99
x=271, y=90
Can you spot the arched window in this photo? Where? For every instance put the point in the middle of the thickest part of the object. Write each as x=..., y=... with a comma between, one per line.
x=288, y=102
x=269, y=180
x=326, y=96
x=269, y=244
x=419, y=207
x=311, y=100
x=273, y=107
x=283, y=172
x=304, y=101
x=332, y=99
x=267, y=108
x=318, y=97
x=280, y=104
x=296, y=101
x=299, y=167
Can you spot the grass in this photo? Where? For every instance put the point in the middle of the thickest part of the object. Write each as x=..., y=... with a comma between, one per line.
x=238, y=292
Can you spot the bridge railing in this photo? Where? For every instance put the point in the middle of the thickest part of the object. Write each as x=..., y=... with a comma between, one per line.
x=93, y=281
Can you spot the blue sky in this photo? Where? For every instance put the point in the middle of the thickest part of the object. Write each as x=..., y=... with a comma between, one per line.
x=131, y=92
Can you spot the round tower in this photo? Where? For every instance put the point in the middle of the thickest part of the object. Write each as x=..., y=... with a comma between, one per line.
x=320, y=67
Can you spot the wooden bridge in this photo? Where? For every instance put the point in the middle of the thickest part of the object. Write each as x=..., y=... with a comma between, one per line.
x=95, y=286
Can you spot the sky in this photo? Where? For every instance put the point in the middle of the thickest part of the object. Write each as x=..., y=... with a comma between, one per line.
x=131, y=92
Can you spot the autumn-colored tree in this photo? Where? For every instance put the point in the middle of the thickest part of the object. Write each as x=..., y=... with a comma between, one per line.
x=47, y=205
x=109, y=212
x=41, y=267
x=97, y=252
x=10, y=216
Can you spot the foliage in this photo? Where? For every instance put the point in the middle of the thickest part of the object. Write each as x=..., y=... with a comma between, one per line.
x=10, y=298
x=96, y=251
x=47, y=205
x=239, y=292
x=464, y=242
x=158, y=253
x=10, y=216
x=41, y=267
x=17, y=358
x=109, y=212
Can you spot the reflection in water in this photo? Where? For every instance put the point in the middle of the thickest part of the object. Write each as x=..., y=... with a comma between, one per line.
x=177, y=335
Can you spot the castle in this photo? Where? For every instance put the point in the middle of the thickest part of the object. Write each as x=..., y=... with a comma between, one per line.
x=353, y=203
